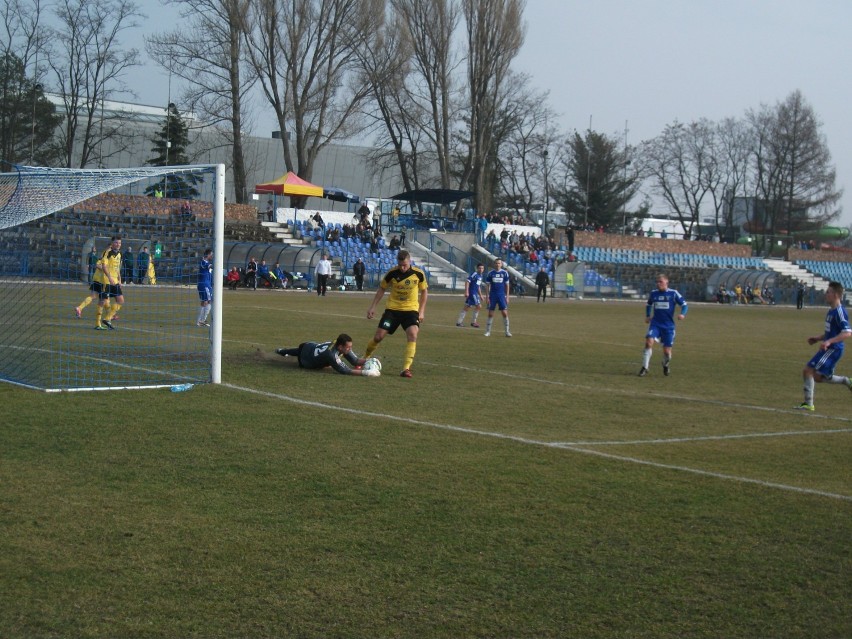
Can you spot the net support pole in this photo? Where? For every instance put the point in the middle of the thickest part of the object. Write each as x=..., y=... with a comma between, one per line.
x=218, y=266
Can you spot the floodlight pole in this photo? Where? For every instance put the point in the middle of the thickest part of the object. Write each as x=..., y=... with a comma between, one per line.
x=624, y=185
x=588, y=170
x=546, y=195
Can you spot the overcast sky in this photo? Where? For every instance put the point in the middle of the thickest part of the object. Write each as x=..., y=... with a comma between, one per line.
x=651, y=62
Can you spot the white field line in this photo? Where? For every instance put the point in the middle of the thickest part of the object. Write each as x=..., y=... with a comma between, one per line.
x=641, y=394
x=535, y=442
x=700, y=438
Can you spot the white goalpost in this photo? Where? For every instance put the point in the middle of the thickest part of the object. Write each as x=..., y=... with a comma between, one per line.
x=64, y=329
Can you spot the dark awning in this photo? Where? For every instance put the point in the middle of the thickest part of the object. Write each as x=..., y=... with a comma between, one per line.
x=434, y=196
x=340, y=195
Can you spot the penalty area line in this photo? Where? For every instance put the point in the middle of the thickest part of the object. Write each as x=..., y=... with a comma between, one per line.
x=534, y=442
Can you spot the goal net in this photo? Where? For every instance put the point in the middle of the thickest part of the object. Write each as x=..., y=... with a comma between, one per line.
x=59, y=226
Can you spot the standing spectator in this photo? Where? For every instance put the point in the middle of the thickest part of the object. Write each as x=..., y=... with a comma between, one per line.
x=92, y=262
x=323, y=272
x=364, y=214
x=821, y=366
x=205, y=288
x=406, y=307
x=498, y=295
x=402, y=237
x=659, y=315
x=542, y=281
x=800, y=296
x=127, y=266
x=472, y=296
x=358, y=270
x=481, y=227
x=143, y=260
x=570, y=239
x=270, y=211
x=250, y=277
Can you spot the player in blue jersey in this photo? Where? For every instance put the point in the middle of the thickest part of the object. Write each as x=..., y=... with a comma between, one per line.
x=659, y=315
x=837, y=329
x=472, y=296
x=205, y=287
x=498, y=295
x=319, y=355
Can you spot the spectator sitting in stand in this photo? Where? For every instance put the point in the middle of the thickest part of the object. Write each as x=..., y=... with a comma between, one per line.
x=282, y=276
x=233, y=278
x=250, y=277
x=394, y=243
x=263, y=274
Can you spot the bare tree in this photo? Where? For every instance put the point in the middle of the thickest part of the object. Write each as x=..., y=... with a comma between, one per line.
x=301, y=51
x=207, y=52
x=793, y=175
x=495, y=33
x=682, y=164
x=732, y=149
x=27, y=118
x=383, y=63
x=529, y=151
x=24, y=36
x=430, y=94
x=88, y=66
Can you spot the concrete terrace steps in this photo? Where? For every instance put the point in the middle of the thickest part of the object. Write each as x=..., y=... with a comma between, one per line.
x=798, y=273
x=442, y=274
x=283, y=233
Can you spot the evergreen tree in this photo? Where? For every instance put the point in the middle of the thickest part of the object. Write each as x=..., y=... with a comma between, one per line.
x=600, y=181
x=28, y=120
x=170, y=145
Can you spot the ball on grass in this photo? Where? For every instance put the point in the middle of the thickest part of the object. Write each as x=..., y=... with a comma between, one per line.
x=372, y=364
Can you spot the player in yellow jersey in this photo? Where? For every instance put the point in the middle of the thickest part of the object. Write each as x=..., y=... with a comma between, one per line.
x=108, y=277
x=406, y=306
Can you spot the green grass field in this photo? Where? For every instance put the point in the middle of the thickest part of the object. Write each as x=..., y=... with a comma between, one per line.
x=524, y=487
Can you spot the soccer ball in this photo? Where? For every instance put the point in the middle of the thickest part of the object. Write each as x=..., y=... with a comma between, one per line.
x=372, y=364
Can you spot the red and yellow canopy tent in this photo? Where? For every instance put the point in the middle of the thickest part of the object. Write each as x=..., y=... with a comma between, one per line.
x=290, y=184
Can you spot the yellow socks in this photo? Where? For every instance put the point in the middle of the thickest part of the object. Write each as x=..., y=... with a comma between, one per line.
x=410, y=348
x=113, y=311
x=372, y=346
